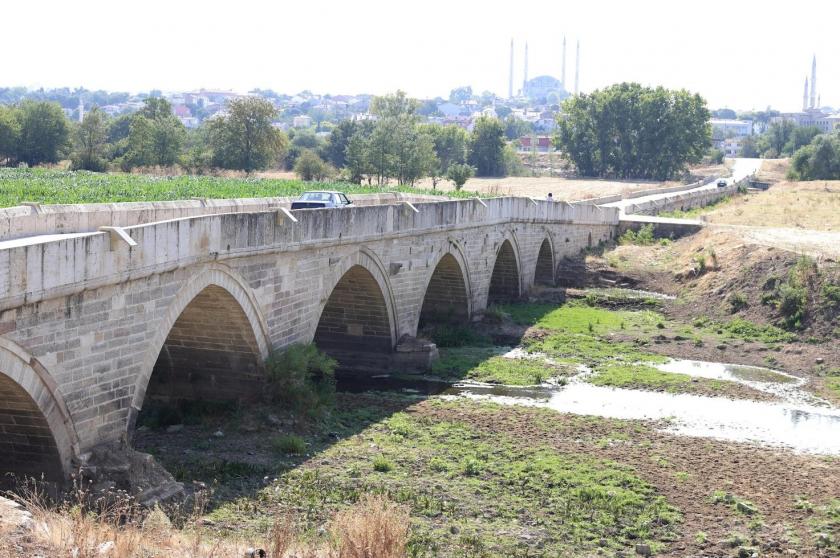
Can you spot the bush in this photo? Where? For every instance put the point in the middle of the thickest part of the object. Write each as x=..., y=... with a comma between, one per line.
x=289, y=444
x=737, y=302
x=309, y=166
x=457, y=336
x=642, y=237
x=791, y=302
x=459, y=173
x=303, y=378
x=831, y=294
x=381, y=464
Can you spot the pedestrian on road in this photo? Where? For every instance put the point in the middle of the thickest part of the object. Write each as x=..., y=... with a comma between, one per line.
x=550, y=197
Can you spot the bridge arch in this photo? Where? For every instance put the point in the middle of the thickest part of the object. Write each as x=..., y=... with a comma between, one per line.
x=545, y=269
x=448, y=293
x=37, y=436
x=357, y=321
x=210, y=344
x=505, y=279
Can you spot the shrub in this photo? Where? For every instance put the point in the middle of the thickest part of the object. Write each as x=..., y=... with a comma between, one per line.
x=831, y=294
x=459, y=173
x=457, y=336
x=471, y=466
x=642, y=237
x=381, y=464
x=302, y=377
x=289, y=444
x=373, y=527
x=791, y=302
x=309, y=166
x=737, y=302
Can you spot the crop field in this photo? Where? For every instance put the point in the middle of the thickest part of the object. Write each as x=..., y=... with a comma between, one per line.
x=64, y=187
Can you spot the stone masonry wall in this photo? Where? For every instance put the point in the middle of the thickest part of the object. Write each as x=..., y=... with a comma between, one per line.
x=96, y=313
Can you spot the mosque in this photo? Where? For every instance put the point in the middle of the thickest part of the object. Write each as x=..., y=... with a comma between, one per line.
x=545, y=89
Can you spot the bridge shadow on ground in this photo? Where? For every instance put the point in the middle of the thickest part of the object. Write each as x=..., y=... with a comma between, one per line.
x=238, y=451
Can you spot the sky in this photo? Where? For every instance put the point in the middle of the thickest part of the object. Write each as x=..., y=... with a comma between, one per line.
x=742, y=54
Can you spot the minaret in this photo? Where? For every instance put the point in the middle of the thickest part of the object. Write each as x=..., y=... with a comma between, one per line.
x=577, y=67
x=525, y=75
x=563, y=73
x=510, y=76
x=814, y=82
x=805, y=96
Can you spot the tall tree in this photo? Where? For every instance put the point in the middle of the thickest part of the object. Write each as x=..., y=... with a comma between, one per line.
x=819, y=160
x=487, y=146
x=450, y=145
x=9, y=134
x=336, y=149
x=245, y=138
x=155, y=137
x=90, y=142
x=44, y=133
x=628, y=130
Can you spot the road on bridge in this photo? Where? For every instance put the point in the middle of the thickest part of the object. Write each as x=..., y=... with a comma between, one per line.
x=743, y=168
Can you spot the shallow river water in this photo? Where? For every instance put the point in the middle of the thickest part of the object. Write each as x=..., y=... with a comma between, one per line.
x=799, y=421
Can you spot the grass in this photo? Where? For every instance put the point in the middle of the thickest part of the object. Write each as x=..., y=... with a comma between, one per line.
x=579, y=317
x=501, y=497
x=289, y=444
x=63, y=187
x=697, y=211
x=745, y=330
x=482, y=364
x=637, y=375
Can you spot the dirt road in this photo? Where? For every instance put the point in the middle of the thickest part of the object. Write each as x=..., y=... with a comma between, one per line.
x=802, y=241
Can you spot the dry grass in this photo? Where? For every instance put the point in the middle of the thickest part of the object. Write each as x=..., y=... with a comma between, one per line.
x=376, y=528
x=809, y=205
x=115, y=527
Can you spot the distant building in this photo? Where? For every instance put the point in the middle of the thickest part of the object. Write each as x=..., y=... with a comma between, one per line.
x=302, y=121
x=723, y=127
x=545, y=90
x=542, y=143
x=817, y=118
x=731, y=147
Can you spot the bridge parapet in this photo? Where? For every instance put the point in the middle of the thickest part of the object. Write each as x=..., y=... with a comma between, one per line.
x=35, y=271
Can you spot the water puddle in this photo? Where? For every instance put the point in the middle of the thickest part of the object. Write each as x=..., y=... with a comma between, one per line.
x=785, y=386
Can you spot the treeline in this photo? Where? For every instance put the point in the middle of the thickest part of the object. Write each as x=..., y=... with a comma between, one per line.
x=630, y=131
x=819, y=160
x=779, y=139
x=392, y=145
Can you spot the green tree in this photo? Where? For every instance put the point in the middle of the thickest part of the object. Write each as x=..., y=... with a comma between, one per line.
x=776, y=139
x=90, y=142
x=44, y=133
x=155, y=136
x=9, y=134
x=460, y=94
x=309, y=166
x=819, y=160
x=336, y=148
x=628, y=130
x=515, y=128
x=359, y=164
x=450, y=145
x=459, y=173
x=487, y=145
x=245, y=138
x=397, y=147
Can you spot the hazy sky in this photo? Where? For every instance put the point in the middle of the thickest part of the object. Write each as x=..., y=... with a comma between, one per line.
x=743, y=54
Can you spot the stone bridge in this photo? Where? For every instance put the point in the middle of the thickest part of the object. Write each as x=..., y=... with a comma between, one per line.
x=95, y=324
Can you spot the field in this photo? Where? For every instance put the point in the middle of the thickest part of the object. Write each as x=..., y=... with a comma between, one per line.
x=54, y=186
x=63, y=187
x=806, y=205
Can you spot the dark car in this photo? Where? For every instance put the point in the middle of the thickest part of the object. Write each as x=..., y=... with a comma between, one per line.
x=313, y=200
x=722, y=183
